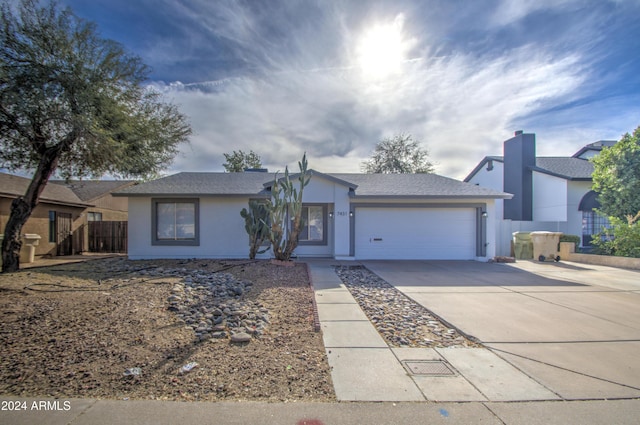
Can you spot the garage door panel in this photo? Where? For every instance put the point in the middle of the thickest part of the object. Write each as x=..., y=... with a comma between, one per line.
x=415, y=233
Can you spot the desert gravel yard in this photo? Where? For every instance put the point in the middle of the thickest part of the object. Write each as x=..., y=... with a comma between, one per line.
x=114, y=328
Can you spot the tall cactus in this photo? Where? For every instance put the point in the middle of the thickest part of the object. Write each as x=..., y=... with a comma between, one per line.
x=285, y=212
x=255, y=225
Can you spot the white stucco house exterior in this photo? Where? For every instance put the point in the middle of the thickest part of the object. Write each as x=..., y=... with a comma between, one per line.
x=349, y=216
x=550, y=193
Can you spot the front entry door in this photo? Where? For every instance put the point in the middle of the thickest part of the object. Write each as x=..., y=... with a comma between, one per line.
x=64, y=238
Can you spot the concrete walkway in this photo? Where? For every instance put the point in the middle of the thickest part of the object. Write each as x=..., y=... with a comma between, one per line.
x=365, y=368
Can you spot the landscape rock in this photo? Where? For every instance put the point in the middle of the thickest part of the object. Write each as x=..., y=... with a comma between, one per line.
x=214, y=302
x=400, y=321
x=241, y=337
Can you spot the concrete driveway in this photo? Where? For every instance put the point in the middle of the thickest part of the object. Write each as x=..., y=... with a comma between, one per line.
x=573, y=328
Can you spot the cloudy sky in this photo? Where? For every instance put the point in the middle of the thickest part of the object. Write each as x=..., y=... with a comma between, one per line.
x=332, y=78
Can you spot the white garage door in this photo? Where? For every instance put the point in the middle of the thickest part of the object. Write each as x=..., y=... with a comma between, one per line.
x=415, y=233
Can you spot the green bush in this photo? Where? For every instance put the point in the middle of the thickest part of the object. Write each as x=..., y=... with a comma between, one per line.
x=622, y=239
x=571, y=238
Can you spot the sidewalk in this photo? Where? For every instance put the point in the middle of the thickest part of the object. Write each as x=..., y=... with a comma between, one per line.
x=98, y=412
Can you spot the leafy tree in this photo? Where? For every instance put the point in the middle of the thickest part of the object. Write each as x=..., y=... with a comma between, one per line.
x=616, y=177
x=73, y=102
x=400, y=154
x=239, y=161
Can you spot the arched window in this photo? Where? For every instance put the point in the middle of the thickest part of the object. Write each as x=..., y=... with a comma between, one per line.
x=592, y=222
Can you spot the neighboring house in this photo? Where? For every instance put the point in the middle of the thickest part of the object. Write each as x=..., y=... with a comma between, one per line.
x=549, y=193
x=111, y=234
x=98, y=193
x=56, y=218
x=348, y=216
x=65, y=208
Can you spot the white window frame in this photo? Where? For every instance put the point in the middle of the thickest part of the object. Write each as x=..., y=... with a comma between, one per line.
x=323, y=241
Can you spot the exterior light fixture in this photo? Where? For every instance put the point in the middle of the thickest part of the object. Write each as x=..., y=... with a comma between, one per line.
x=484, y=214
x=330, y=214
x=350, y=213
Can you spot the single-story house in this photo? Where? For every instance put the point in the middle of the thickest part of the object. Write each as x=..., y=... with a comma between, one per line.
x=348, y=216
x=66, y=207
x=98, y=193
x=549, y=193
x=57, y=218
x=104, y=224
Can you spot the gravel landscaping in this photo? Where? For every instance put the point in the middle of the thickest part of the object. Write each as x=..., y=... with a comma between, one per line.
x=401, y=321
x=172, y=330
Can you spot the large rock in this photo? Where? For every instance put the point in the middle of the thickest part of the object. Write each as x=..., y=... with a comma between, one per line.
x=241, y=337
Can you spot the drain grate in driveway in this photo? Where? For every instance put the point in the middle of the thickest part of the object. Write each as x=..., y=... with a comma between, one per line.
x=429, y=368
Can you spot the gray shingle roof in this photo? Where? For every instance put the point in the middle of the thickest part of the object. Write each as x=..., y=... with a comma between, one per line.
x=416, y=185
x=595, y=146
x=569, y=168
x=194, y=184
x=363, y=185
x=88, y=190
x=13, y=186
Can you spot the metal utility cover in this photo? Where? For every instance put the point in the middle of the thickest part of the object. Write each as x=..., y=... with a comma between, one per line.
x=429, y=368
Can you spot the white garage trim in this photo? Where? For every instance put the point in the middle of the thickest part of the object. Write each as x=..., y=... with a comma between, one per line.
x=418, y=231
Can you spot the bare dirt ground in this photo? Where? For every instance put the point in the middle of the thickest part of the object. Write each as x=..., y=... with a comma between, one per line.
x=80, y=330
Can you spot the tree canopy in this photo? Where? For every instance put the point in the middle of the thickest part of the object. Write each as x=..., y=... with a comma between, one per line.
x=75, y=103
x=616, y=177
x=238, y=161
x=400, y=154
x=66, y=91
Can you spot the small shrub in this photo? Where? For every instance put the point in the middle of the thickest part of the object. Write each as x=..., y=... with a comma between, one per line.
x=571, y=238
x=622, y=239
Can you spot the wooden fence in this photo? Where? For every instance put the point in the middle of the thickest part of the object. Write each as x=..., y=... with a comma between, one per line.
x=107, y=236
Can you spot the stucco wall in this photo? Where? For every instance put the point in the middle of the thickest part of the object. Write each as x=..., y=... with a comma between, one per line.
x=567, y=253
x=222, y=233
x=220, y=225
x=38, y=223
x=549, y=198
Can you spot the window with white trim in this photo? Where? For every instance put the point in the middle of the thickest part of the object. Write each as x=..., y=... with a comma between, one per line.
x=314, y=230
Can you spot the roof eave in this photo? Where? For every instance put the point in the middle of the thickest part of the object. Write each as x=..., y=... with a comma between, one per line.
x=433, y=197
x=481, y=166
x=51, y=201
x=192, y=195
